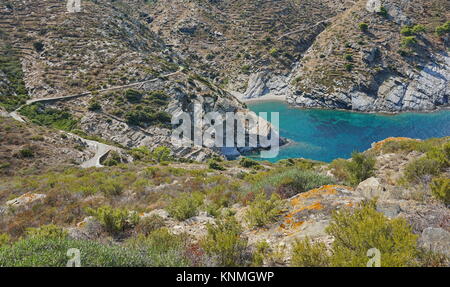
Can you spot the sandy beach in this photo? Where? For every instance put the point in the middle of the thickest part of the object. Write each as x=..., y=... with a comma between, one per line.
x=265, y=99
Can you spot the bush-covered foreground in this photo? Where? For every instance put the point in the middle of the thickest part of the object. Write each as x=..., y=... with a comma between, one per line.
x=157, y=212
x=355, y=231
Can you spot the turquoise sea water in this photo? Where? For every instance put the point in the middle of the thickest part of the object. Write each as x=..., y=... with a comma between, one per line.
x=326, y=134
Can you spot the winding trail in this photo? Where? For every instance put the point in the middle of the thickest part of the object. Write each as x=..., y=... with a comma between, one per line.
x=101, y=149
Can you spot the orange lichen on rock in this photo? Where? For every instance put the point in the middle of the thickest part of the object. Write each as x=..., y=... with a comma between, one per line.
x=324, y=190
x=380, y=144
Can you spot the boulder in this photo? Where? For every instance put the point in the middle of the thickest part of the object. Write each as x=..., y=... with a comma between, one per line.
x=25, y=199
x=436, y=240
x=87, y=229
x=371, y=188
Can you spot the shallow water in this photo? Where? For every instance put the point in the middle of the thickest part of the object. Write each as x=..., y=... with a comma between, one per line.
x=326, y=134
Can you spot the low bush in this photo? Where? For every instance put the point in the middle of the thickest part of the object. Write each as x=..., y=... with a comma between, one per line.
x=47, y=231
x=224, y=243
x=409, y=41
x=162, y=248
x=363, y=27
x=162, y=154
x=263, y=211
x=443, y=29
x=357, y=231
x=149, y=224
x=94, y=106
x=249, y=163
x=41, y=115
x=360, y=167
x=114, y=220
x=5, y=239
x=440, y=188
x=289, y=181
x=26, y=152
x=52, y=252
x=213, y=164
x=435, y=160
x=185, y=206
x=307, y=254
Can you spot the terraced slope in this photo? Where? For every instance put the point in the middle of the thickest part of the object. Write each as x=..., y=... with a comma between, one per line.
x=368, y=61
x=229, y=40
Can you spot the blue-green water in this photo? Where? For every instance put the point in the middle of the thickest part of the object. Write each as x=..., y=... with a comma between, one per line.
x=326, y=134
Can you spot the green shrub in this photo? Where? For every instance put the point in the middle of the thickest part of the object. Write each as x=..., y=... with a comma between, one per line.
x=360, y=167
x=38, y=46
x=133, y=95
x=248, y=163
x=47, y=232
x=307, y=254
x=412, y=30
x=162, y=248
x=15, y=93
x=162, y=154
x=141, y=153
x=357, y=231
x=440, y=188
x=111, y=187
x=213, y=164
x=417, y=29
x=409, y=41
x=435, y=160
x=225, y=244
x=185, y=206
x=113, y=159
x=114, y=220
x=149, y=224
x=263, y=211
x=94, y=106
x=363, y=27
x=262, y=251
x=26, y=152
x=443, y=29
x=348, y=57
x=338, y=168
x=288, y=182
x=348, y=67
x=52, y=252
x=383, y=12
x=57, y=119
x=407, y=31
x=5, y=239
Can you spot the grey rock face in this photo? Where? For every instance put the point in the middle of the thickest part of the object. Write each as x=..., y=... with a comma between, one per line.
x=422, y=90
x=436, y=240
x=267, y=84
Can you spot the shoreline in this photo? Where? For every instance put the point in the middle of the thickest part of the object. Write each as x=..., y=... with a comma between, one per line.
x=272, y=98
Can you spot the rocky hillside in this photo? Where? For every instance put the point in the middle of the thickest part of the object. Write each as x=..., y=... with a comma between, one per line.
x=369, y=60
x=104, y=70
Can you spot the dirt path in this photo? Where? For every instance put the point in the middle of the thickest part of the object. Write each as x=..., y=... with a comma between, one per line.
x=101, y=149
